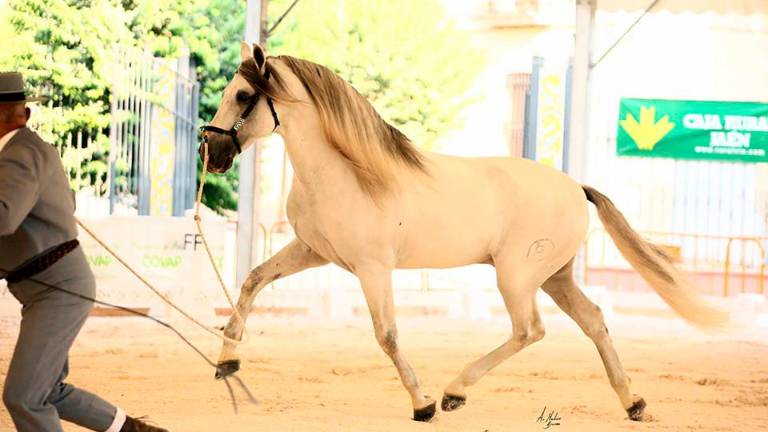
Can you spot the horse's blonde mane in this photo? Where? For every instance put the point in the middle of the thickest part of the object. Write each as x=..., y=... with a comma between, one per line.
x=373, y=147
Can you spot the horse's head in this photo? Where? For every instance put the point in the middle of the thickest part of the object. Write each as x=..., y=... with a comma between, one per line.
x=245, y=114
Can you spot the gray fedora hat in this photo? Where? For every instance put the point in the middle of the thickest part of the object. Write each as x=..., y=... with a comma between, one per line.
x=12, y=89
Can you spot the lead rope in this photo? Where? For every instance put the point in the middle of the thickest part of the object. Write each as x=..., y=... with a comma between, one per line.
x=168, y=301
x=198, y=223
x=162, y=296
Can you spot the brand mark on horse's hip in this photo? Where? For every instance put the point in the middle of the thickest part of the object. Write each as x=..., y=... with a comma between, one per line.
x=539, y=249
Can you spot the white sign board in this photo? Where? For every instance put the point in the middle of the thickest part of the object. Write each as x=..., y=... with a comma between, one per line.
x=166, y=251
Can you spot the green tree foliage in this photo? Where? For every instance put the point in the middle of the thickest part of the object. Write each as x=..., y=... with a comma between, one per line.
x=64, y=48
x=403, y=55
x=63, y=51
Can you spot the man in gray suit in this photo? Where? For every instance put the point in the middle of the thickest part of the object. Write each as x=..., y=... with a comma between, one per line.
x=38, y=241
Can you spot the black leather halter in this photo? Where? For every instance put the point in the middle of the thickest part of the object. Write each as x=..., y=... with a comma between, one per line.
x=232, y=133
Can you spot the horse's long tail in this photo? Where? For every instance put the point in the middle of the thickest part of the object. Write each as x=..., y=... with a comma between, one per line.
x=654, y=265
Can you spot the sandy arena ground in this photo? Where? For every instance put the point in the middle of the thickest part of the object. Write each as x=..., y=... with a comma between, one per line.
x=309, y=375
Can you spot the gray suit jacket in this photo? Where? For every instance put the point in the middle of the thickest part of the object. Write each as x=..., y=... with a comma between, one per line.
x=36, y=204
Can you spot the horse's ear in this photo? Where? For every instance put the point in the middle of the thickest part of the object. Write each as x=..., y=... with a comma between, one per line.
x=245, y=51
x=258, y=55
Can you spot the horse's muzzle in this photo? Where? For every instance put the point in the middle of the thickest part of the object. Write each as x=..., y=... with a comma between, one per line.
x=221, y=153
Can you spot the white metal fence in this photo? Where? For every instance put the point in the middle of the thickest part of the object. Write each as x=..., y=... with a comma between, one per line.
x=154, y=101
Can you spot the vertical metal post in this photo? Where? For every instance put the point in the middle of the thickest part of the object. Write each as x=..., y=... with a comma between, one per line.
x=567, y=115
x=144, y=129
x=727, y=270
x=113, y=134
x=248, y=190
x=532, y=110
x=185, y=162
x=577, y=141
x=133, y=136
x=761, y=283
x=179, y=154
x=191, y=194
x=577, y=103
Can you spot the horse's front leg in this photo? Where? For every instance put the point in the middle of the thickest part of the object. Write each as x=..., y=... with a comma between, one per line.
x=293, y=258
x=377, y=287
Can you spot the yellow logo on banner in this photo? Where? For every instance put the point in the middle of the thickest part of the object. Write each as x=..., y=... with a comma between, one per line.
x=647, y=132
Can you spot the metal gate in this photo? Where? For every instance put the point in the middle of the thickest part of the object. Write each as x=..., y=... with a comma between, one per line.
x=153, y=134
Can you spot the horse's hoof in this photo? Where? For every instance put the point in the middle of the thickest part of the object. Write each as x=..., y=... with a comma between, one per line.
x=635, y=412
x=452, y=403
x=227, y=368
x=425, y=414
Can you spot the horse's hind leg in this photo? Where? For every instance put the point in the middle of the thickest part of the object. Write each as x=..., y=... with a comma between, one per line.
x=293, y=258
x=564, y=291
x=520, y=300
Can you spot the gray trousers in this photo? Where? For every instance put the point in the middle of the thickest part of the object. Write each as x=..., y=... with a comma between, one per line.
x=35, y=393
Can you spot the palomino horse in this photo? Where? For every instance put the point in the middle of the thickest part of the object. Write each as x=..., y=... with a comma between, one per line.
x=368, y=201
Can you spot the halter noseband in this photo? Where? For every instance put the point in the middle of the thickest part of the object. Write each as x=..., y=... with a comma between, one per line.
x=232, y=133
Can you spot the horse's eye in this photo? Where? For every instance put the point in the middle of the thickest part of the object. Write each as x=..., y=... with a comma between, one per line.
x=243, y=97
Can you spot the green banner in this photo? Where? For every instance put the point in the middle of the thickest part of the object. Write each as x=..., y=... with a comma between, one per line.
x=732, y=131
